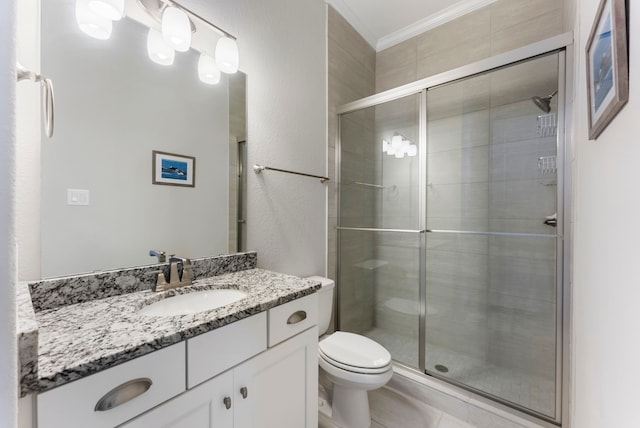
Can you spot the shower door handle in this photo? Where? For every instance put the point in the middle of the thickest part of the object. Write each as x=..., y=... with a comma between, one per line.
x=551, y=222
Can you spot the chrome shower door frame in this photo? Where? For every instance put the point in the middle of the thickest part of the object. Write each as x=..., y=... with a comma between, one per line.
x=561, y=44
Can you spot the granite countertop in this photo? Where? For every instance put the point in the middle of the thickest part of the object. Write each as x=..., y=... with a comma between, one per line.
x=80, y=339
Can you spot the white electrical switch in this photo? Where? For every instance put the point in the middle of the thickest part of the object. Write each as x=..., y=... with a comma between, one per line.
x=77, y=197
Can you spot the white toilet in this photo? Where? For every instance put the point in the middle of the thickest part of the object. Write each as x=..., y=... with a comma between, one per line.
x=353, y=363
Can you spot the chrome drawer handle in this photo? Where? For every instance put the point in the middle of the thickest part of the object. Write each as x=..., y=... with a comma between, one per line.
x=123, y=393
x=244, y=392
x=297, y=317
x=227, y=402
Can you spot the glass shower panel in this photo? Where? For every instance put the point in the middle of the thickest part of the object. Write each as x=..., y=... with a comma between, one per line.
x=378, y=293
x=491, y=286
x=379, y=166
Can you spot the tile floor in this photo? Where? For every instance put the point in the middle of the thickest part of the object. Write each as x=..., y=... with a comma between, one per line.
x=533, y=392
x=392, y=409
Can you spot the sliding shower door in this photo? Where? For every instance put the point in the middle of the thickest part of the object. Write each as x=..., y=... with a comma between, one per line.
x=450, y=249
x=379, y=225
x=492, y=216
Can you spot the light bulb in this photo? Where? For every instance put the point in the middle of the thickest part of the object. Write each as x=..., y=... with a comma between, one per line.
x=227, y=58
x=109, y=9
x=396, y=142
x=399, y=154
x=207, y=70
x=176, y=29
x=385, y=146
x=413, y=150
x=92, y=24
x=405, y=146
x=158, y=50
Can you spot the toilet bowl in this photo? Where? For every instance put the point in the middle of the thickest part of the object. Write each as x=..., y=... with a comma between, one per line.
x=354, y=364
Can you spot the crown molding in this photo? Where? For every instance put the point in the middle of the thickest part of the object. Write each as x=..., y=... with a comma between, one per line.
x=430, y=22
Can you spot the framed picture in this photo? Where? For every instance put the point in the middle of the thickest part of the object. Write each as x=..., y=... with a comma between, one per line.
x=607, y=65
x=172, y=169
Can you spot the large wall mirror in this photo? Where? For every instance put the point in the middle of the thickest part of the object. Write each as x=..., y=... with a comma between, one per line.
x=114, y=107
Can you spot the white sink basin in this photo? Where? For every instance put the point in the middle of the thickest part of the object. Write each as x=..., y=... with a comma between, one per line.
x=193, y=303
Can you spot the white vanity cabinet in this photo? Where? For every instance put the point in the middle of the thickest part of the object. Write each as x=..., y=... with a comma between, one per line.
x=93, y=401
x=258, y=372
x=275, y=389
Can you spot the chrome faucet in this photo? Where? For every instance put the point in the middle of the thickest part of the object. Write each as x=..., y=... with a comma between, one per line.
x=162, y=257
x=179, y=274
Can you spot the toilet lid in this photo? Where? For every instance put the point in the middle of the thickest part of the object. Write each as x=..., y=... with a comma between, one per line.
x=355, y=350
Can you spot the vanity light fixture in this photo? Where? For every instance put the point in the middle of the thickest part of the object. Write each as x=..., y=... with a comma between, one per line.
x=208, y=72
x=158, y=50
x=176, y=29
x=227, y=57
x=109, y=9
x=91, y=23
x=95, y=18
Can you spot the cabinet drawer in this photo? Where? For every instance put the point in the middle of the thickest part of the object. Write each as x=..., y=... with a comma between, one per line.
x=218, y=350
x=76, y=404
x=292, y=318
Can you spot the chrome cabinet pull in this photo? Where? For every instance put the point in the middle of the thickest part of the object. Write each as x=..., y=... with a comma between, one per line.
x=297, y=317
x=227, y=402
x=123, y=393
x=244, y=392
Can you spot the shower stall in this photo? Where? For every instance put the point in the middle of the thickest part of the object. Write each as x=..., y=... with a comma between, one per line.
x=450, y=227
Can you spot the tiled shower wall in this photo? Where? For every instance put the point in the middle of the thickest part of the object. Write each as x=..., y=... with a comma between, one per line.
x=494, y=29
x=351, y=76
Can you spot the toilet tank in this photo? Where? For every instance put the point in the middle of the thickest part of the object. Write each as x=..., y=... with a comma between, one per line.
x=325, y=302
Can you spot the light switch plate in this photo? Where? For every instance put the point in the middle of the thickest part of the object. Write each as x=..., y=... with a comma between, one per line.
x=77, y=197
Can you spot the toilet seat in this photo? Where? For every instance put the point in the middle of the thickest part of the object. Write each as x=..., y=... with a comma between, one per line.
x=360, y=370
x=354, y=353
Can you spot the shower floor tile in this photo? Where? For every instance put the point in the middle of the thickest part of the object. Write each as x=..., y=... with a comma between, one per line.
x=532, y=392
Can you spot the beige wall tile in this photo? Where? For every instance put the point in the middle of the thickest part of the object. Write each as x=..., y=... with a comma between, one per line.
x=457, y=56
x=507, y=13
x=531, y=31
x=396, y=66
x=468, y=28
x=351, y=41
x=400, y=55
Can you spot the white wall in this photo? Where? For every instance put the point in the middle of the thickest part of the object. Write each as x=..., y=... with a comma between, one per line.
x=283, y=51
x=8, y=357
x=28, y=134
x=606, y=291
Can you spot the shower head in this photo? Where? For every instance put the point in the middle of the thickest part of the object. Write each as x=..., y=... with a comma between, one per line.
x=544, y=103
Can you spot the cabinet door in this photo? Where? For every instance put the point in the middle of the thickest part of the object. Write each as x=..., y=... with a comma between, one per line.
x=201, y=407
x=281, y=386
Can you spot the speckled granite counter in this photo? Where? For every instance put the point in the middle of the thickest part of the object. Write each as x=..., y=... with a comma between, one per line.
x=81, y=339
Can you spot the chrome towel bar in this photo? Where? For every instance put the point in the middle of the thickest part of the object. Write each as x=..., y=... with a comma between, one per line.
x=259, y=168
x=48, y=103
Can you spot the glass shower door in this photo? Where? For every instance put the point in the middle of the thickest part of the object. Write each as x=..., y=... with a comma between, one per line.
x=492, y=285
x=379, y=224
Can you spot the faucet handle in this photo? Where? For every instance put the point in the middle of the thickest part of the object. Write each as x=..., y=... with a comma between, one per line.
x=186, y=271
x=161, y=281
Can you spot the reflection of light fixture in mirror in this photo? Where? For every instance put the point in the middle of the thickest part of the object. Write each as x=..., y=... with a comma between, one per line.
x=92, y=24
x=110, y=9
x=176, y=29
x=207, y=70
x=158, y=50
x=399, y=146
x=227, y=57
